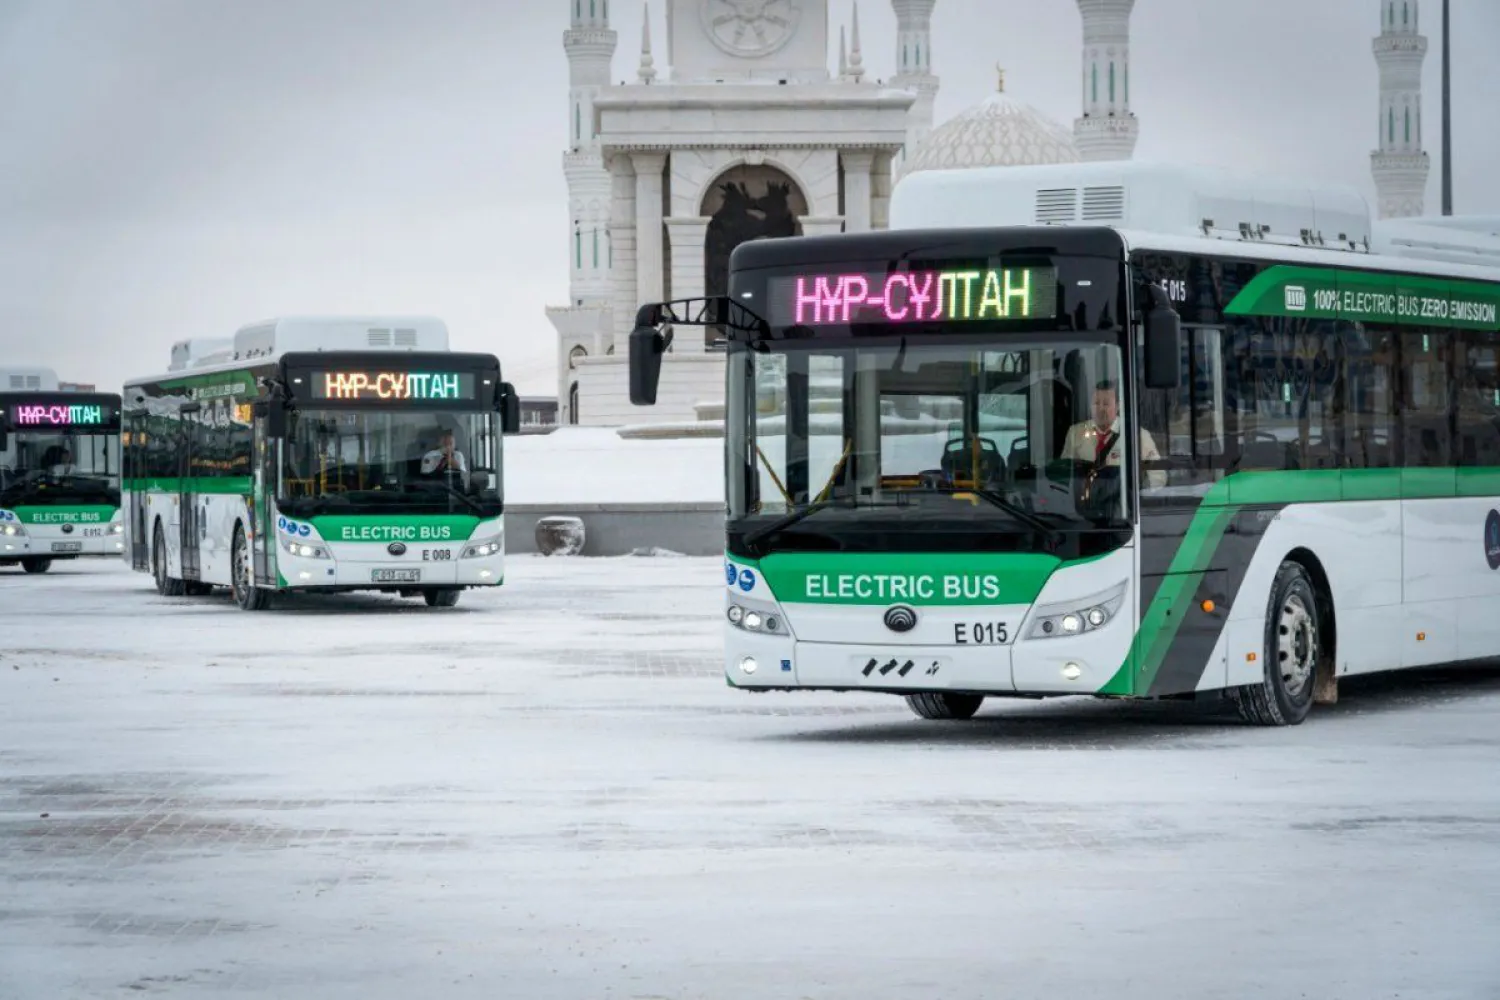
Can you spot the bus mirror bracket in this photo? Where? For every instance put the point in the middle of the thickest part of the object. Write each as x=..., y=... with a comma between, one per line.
x=1163, y=348
x=652, y=336
x=510, y=409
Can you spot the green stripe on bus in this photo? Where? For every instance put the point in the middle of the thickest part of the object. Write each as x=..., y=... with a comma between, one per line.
x=65, y=514
x=396, y=527
x=1160, y=621
x=197, y=484
x=1369, y=297
x=922, y=579
x=1329, y=485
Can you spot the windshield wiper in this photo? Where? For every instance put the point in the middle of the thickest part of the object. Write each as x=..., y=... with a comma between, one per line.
x=1013, y=509
x=472, y=503
x=787, y=520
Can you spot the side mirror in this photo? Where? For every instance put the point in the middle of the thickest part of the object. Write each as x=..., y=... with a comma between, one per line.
x=275, y=414
x=1163, y=350
x=510, y=409
x=646, y=348
x=4, y=432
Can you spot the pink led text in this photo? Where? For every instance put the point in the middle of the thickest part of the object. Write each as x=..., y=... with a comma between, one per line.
x=914, y=296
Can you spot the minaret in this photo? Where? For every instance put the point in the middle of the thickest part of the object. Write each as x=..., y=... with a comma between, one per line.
x=590, y=45
x=914, y=67
x=1107, y=130
x=1399, y=165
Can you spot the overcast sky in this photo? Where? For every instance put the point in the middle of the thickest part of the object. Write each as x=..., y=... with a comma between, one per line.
x=177, y=168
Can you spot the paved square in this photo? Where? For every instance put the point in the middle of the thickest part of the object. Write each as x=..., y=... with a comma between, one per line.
x=549, y=792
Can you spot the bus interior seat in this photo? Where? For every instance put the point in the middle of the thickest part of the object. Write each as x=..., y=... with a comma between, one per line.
x=957, y=462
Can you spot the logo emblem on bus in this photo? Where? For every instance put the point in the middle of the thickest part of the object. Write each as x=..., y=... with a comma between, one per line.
x=67, y=529
x=396, y=548
x=1492, y=539
x=900, y=619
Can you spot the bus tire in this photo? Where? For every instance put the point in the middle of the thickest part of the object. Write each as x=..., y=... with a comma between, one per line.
x=441, y=597
x=942, y=705
x=247, y=596
x=1294, y=649
x=36, y=565
x=166, y=586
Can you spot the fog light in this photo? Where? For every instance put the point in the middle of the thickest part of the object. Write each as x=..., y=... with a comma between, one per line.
x=1072, y=671
x=305, y=575
x=485, y=574
x=748, y=665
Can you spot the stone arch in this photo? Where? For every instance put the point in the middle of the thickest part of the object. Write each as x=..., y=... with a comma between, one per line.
x=575, y=354
x=746, y=201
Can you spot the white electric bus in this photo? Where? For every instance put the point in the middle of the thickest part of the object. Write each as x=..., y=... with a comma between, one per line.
x=59, y=471
x=319, y=454
x=1114, y=429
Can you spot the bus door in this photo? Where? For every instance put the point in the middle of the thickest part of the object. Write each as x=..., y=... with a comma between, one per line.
x=266, y=452
x=135, y=475
x=189, y=517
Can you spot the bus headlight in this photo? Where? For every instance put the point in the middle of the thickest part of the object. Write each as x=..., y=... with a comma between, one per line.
x=117, y=528
x=303, y=550
x=12, y=529
x=753, y=619
x=488, y=547
x=1077, y=617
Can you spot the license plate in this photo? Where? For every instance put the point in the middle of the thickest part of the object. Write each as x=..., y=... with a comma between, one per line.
x=67, y=546
x=395, y=575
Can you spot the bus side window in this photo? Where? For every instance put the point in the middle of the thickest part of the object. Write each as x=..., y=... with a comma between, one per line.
x=1187, y=423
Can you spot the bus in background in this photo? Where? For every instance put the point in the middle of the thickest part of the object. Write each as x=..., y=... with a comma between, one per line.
x=320, y=454
x=1109, y=429
x=59, y=471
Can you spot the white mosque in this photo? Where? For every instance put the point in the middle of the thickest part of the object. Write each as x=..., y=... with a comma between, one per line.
x=752, y=137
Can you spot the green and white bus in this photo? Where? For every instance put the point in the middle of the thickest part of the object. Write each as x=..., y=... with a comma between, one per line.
x=1120, y=430
x=319, y=454
x=59, y=471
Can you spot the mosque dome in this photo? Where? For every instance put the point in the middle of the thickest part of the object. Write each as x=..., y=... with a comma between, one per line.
x=999, y=131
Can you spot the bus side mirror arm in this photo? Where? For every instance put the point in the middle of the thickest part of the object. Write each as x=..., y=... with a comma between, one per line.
x=1163, y=348
x=4, y=432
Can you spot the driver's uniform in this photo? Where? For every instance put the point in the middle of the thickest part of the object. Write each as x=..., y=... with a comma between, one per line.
x=1085, y=440
x=435, y=461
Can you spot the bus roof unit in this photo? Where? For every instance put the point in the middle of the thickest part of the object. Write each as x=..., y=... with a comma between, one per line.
x=1142, y=197
x=28, y=380
x=291, y=334
x=1453, y=239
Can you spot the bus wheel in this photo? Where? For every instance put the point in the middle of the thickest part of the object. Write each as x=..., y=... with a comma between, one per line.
x=442, y=597
x=246, y=594
x=1294, y=647
x=942, y=705
x=36, y=565
x=166, y=586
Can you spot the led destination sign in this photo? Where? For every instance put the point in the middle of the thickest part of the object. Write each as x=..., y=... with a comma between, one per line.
x=392, y=386
x=965, y=295
x=58, y=415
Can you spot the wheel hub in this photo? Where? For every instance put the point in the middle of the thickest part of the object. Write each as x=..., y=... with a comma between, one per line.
x=1296, y=644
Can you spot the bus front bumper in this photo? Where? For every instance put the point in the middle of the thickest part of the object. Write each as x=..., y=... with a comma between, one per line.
x=1077, y=665
x=365, y=571
x=50, y=541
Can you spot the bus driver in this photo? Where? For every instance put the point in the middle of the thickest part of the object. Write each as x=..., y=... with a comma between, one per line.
x=1097, y=441
x=445, y=458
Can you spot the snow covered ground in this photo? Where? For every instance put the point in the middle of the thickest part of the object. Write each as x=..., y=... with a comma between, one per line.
x=549, y=792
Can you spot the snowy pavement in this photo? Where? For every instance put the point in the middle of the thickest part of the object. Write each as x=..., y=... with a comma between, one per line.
x=549, y=792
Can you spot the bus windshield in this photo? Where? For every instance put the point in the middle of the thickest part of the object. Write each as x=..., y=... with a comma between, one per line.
x=351, y=460
x=61, y=467
x=960, y=445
